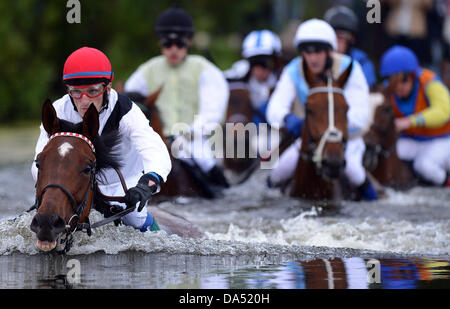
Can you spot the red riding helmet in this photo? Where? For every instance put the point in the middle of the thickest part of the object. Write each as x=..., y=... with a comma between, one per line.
x=87, y=63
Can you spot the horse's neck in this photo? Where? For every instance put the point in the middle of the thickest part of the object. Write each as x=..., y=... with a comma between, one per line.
x=239, y=103
x=389, y=141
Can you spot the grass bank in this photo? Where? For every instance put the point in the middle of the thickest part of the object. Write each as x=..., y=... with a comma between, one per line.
x=17, y=142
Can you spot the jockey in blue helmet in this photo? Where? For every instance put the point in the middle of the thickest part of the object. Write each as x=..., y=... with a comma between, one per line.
x=398, y=59
x=422, y=109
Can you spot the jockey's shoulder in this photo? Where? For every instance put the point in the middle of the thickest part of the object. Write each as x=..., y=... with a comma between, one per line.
x=238, y=70
x=153, y=60
x=359, y=55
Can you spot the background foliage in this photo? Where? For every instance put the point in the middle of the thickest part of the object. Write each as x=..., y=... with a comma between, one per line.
x=35, y=39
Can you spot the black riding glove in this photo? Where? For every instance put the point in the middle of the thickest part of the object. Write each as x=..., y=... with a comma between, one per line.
x=141, y=193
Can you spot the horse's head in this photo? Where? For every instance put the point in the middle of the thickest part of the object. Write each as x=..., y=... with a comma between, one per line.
x=381, y=137
x=66, y=173
x=325, y=129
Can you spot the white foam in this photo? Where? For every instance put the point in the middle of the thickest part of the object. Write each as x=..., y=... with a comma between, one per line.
x=304, y=230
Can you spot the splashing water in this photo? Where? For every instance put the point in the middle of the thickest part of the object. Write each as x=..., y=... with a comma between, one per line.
x=251, y=219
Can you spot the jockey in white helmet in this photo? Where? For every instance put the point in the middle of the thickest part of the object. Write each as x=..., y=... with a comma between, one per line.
x=317, y=44
x=261, y=50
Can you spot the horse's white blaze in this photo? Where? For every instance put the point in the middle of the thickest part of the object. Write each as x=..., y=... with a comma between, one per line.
x=64, y=149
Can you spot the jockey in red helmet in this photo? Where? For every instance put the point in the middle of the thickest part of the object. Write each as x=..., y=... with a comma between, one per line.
x=88, y=76
x=88, y=67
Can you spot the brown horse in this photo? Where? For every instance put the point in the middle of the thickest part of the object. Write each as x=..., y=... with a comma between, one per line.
x=67, y=167
x=380, y=157
x=322, y=154
x=66, y=189
x=184, y=179
x=239, y=115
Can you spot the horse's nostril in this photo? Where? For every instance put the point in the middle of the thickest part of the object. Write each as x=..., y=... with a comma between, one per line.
x=34, y=224
x=334, y=163
x=59, y=225
x=333, y=168
x=47, y=224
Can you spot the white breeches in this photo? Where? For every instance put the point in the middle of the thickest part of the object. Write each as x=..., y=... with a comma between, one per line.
x=355, y=172
x=431, y=158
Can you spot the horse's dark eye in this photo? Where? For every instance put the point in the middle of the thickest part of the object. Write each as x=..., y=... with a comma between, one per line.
x=37, y=164
x=87, y=170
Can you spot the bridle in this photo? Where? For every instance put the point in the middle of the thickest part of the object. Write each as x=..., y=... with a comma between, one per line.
x=331, y=134
x=79, y=208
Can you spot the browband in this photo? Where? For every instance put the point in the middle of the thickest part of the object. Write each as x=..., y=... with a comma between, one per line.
x=84, y=138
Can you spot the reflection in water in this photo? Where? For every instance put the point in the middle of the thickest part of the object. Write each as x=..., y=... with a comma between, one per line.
x=347, y=273
x=162, y=271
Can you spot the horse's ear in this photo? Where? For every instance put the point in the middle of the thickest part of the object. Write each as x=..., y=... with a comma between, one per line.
x=91, y=122
x=310, y=77
x=49, y=119
x=344, y=76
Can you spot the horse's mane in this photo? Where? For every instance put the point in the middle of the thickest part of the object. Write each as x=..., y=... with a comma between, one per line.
x=106, y=146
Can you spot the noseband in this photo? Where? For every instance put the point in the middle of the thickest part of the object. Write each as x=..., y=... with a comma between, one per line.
x=332, y=134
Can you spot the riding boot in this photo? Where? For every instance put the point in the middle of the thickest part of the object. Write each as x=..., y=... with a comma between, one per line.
x=149, y=224
x=216, y=176
x=367, y=191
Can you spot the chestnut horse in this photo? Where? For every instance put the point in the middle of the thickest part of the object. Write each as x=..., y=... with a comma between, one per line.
x=322, y=154
x=380, y=157
x=66, y=188
x=66, y=179
x=239, y=115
